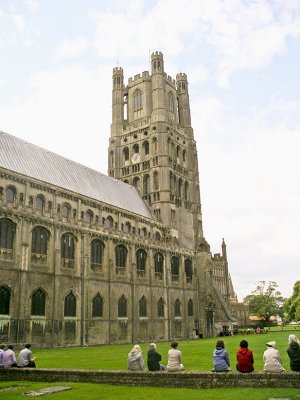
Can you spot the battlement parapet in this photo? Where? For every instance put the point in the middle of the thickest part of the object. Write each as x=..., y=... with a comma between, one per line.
x=118, y=70
x=181, y=76
x=157, y=54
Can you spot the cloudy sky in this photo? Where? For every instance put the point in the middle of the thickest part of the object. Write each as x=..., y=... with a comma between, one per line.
x=242, y=59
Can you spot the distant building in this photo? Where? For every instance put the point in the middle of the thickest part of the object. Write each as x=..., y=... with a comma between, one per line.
x=90, y=259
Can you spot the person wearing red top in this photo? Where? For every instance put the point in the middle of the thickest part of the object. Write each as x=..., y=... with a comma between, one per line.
x=245, y=358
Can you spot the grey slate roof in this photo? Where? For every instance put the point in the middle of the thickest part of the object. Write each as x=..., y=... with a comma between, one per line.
x=33, y=161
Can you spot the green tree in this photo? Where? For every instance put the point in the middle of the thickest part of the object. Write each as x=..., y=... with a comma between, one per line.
x=292, y=304
x=265, y=301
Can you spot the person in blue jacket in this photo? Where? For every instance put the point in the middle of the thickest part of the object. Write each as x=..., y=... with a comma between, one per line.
x=221, y=358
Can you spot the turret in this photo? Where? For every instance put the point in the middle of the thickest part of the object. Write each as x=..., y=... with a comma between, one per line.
x=158, y=88
x=183, y=101
x=117, y=101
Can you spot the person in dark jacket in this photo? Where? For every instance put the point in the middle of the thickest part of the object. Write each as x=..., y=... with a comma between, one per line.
x=153, y=359
x=294, y=353
x=221, y=358
x=245, y=360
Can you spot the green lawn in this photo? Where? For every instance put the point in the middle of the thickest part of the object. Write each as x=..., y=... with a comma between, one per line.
x=89, y=391
x=197, y=356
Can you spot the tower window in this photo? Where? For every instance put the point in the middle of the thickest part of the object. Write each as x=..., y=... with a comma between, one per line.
x=126, y=153
x=137, y=100
x=96, y=253
x=175, y=268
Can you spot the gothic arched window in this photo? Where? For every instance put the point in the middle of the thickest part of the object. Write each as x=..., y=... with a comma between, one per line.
x=89, y=217
x=97, y=306
x=39, y=240
x=188, y=270
x=161, y=308
x=136, y=183
x=4, y=300
x=177, y=308
x=40, y=203
x=141, y=258
x=175, y=268
x=7, y=230
x=171, y=102
x=68, y=250
x=38, y=303
x=126, y=153
x=155, y=181
x=70, y=305
x=65, y=210
x=137, y=100
x=10, y=194
x=96, y=253
x=158, y=265
x=143, y=307
x=121, y=256
x=146, y=147
x=190, y=308
x=146, y=184
x=122, y=307
x=109, y=222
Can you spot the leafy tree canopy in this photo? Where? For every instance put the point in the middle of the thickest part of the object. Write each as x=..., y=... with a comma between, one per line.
x=265, y=301
x=292, y=304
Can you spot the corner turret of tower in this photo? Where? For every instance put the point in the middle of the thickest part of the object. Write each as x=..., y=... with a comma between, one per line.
x=118, y=71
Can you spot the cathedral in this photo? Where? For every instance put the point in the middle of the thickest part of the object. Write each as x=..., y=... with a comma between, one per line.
x=89, y=259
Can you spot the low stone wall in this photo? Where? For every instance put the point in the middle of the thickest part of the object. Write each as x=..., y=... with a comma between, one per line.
x=159, y=379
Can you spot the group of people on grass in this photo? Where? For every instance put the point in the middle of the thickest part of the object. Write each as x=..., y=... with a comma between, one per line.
x=221, y=362
x=8, y=357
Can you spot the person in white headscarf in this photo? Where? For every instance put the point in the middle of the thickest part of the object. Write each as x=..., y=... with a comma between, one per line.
x=272, y=359
x=294, y=353
x=135, y=359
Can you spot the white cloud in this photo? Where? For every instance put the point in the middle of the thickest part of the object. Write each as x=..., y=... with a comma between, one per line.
x=19, y=22
x=67, y=112
x=72, y=48
x=33, y=5
x=248, y=176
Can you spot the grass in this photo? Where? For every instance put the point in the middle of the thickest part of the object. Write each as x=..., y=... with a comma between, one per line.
x=197, y=356
x=89, y=391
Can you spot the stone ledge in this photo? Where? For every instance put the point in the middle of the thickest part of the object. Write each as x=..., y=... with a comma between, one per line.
x=194, y=380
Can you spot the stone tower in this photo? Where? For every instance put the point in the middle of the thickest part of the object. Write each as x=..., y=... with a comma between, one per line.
x=152, y=147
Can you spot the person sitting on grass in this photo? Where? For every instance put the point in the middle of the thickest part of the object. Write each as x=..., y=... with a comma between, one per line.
x=135, y=359
x=272, y=359
x=221, y=358
x=294, y=353
x=9, y=357
x=174, y=359
x=25, y=359
x=245, y=360
x=153, y=359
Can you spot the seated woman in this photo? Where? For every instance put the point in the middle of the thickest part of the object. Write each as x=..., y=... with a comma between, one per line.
x=174, y=359
x=153, y=359
x=245, y=360
x=294, y=353
x=221, y=358
x=135, y=359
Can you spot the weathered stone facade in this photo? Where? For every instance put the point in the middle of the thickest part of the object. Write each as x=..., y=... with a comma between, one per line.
x=86, y=259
